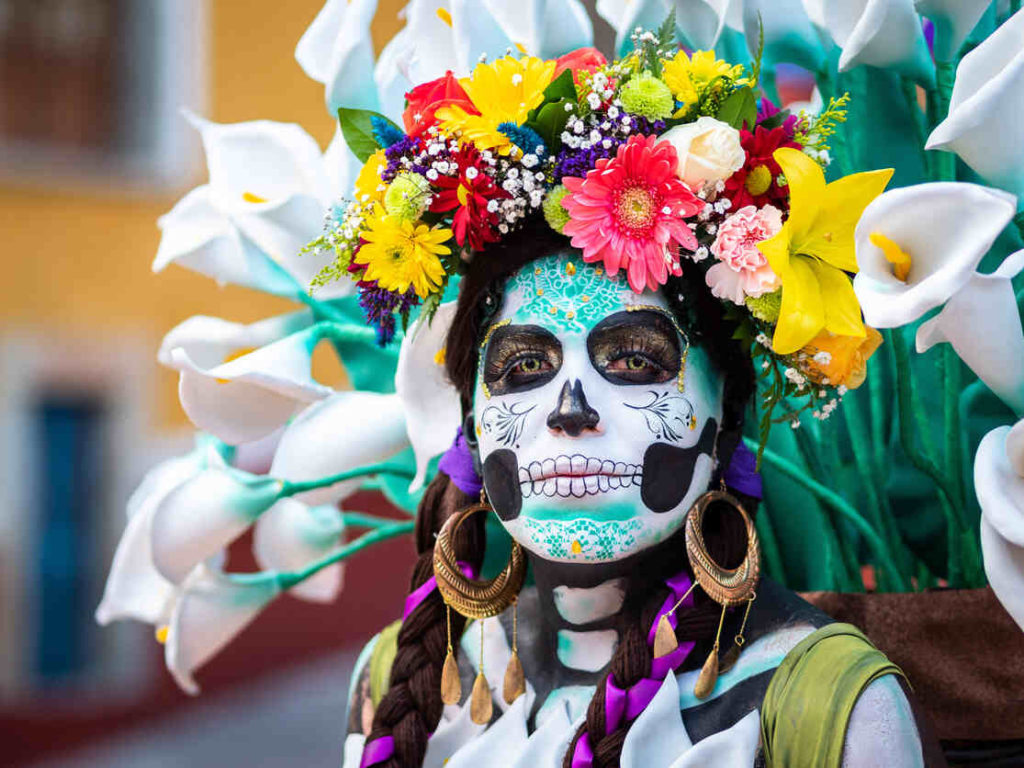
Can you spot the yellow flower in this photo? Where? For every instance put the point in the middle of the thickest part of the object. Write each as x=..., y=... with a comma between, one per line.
x=688, y=76
x=369, y=186
x=843, y=360
x=504, y=91
x=813, y=252
x=398, y=254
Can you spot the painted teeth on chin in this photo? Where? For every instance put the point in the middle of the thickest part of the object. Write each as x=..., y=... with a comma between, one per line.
x=563, y=486
x=548, y=467
x=579, y=489
x=550, y=487
x=607, y=467
x=593, y=466
x=578, y=463
x=535, y=470
x=563, y=465
x=591, y=483
x=602, y=483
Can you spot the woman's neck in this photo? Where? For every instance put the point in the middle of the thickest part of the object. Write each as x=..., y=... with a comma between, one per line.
x=580, y=606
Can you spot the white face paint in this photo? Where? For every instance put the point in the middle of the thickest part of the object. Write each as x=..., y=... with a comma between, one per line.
x=595, y=418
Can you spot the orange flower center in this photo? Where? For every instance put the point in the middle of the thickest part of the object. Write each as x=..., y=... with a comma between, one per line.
x=635, y=208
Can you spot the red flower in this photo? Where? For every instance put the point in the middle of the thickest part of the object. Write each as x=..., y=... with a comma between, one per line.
x=629, y=212
x=582, y=59
x=756, y=183
x=468, y=194
x=425, y=99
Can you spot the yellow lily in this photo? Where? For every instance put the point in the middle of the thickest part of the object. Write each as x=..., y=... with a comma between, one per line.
x=814, y=251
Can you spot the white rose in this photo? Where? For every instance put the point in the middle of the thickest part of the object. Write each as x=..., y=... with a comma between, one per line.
x=709, y=151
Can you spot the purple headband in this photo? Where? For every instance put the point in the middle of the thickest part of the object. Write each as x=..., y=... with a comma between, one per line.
x=457, y=463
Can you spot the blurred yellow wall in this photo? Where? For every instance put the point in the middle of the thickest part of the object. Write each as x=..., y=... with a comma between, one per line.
x=78, y=260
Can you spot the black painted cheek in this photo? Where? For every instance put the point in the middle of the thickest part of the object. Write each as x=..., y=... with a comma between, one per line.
x=501, y=478
x=668, y=470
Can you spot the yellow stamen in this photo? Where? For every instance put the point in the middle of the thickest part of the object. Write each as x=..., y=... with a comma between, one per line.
x=462, y=194
x=234, y=356
x=161, y=634
x=520, y=47
x=443, y=15
x=439, y=356
x=759, y=180
x=895, y=255
x=249, y=197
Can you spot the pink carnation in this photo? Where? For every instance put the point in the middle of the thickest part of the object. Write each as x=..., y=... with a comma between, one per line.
x=742, y=270
x=629, y=212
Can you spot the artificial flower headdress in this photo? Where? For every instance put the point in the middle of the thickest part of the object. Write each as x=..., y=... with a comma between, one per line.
x=656, y=163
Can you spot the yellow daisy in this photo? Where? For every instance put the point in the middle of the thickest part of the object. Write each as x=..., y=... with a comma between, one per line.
x=369, y=186
x=504, y=91
x=688, y=76
x=398, y=254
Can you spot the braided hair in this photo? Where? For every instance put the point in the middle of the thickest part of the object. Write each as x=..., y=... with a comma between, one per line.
x=412, y=707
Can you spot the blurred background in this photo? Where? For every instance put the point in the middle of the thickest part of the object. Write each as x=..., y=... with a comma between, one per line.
x=92, y=150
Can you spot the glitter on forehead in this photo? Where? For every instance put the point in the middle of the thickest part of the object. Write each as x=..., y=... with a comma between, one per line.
x=563, y=291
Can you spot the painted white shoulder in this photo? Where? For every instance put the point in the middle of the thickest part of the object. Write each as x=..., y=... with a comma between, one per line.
x=882, y=730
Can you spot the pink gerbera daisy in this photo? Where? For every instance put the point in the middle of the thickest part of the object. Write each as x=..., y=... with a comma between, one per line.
x=628, y=212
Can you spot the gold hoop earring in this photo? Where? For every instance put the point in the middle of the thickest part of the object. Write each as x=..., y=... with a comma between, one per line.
x=726, y=586
x=477, y=600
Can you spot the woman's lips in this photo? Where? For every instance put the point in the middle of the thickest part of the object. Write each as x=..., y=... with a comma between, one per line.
x=576, y=476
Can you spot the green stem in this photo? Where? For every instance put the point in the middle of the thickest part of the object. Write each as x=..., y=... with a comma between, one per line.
x=290, y=579
x=840, y=148
x=951, y=418
x=943, y=167
x=889, y=572
x=321, y=310
x=909, y=88
x=363, y=520
x=346, y=332
x=289, y=488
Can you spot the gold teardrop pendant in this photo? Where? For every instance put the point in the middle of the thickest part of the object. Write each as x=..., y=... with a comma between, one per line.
x=480, y=705
x=664, y=638
x=451, y=684
x=515, y=680
x=708, y=676
x=729, y=658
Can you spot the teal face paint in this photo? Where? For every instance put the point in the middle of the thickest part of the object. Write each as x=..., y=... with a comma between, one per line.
x=580, y=382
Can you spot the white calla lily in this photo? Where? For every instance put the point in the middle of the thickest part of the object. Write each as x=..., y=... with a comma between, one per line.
x=251, y=395
x=982, y=322
x=431, y=404
x=210, y=341
x=545, y=28
x=945, y=228
x=211, y=609
x=204, y=514
x=880, y=33
x=984, y=126
x=999, y=484
x=701, y=21
x=291, y=536
x=625, y=16
x=337, y=50
x=135, y=589
x=788, y=33
x=265, y=200
x=953, y=20
x=343, y=432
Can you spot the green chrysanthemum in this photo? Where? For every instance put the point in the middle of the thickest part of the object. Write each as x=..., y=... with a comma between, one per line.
x=554, y=214
x=765, y=308
x=407, y=196
x=647, y=96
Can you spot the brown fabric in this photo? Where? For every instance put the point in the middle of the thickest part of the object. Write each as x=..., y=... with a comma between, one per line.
x=960, y=650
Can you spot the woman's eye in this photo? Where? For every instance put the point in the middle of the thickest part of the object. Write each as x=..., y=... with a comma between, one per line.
x=636, y=363
x=636, y=367
x=530, y=365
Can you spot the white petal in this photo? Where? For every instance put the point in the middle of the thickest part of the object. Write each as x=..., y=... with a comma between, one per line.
x=205, y=514
x=788, y=34
x=209, y=341
x=546, y=28
x=984, y=125
x=337, y=50
x=343, y=432
x=211, y=610
x=430, y=402
x=946, y=227
x=953, y=20
x=880, y=33
x=626, y=15
x=701, y=21
x=193, y=222
x=506, y=736
x=290, y=536
x=475, y=32
x=1004, y=567
x=249, y=397
x=392, y=74
x=342, y=166
x=432, y=48
x=735, y=747
x=999, y=485
x=658, y=736
x=255, y=457
x=983, y=324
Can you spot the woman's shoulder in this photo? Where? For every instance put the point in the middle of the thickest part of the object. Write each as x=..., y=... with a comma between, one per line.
x=369, y=680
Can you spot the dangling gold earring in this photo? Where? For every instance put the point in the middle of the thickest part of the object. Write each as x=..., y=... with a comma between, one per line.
x=726, y=586
x=477, y=600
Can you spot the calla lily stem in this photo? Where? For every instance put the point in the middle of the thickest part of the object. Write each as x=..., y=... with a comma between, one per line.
x=290, y=579
x=289, y=488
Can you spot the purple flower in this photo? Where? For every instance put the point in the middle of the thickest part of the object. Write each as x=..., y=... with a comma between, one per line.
x=766, y=108
x=381, y=306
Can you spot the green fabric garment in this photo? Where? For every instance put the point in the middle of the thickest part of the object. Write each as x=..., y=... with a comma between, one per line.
x=809, y=700
x=381, y=659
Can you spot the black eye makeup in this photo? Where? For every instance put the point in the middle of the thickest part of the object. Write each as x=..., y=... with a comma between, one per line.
x=519, y=358
x=638, y=347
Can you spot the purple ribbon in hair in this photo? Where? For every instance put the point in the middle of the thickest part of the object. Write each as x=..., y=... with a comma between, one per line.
x=627, y=703
x=457, y=463
x=741, y=474
x=377, y=751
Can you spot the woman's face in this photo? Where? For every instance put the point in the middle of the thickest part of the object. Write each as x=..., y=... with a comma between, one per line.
x=595, y=418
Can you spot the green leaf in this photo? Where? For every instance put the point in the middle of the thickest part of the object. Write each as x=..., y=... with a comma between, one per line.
x=358, y=131
x=739, y=107
x=562, y=87
x=550, y=122
x=667, y=30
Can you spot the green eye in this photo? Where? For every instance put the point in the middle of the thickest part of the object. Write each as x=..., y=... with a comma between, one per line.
x=635, y=363
x=529, y=365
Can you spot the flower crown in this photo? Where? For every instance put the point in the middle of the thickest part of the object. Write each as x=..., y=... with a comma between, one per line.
x=658, y=162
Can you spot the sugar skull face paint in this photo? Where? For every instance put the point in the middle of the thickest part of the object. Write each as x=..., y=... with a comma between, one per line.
x=596, y=419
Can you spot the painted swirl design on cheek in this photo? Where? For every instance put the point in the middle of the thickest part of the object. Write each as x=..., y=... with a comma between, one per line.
x=505, y=422
x=664, y=414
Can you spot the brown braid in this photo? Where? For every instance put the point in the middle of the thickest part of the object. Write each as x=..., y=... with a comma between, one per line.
x=411, y=708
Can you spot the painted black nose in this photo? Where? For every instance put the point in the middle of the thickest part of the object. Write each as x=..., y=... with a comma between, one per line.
x=572, y=413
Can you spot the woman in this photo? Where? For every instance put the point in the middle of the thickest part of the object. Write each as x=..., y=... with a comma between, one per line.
x=597, y=418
